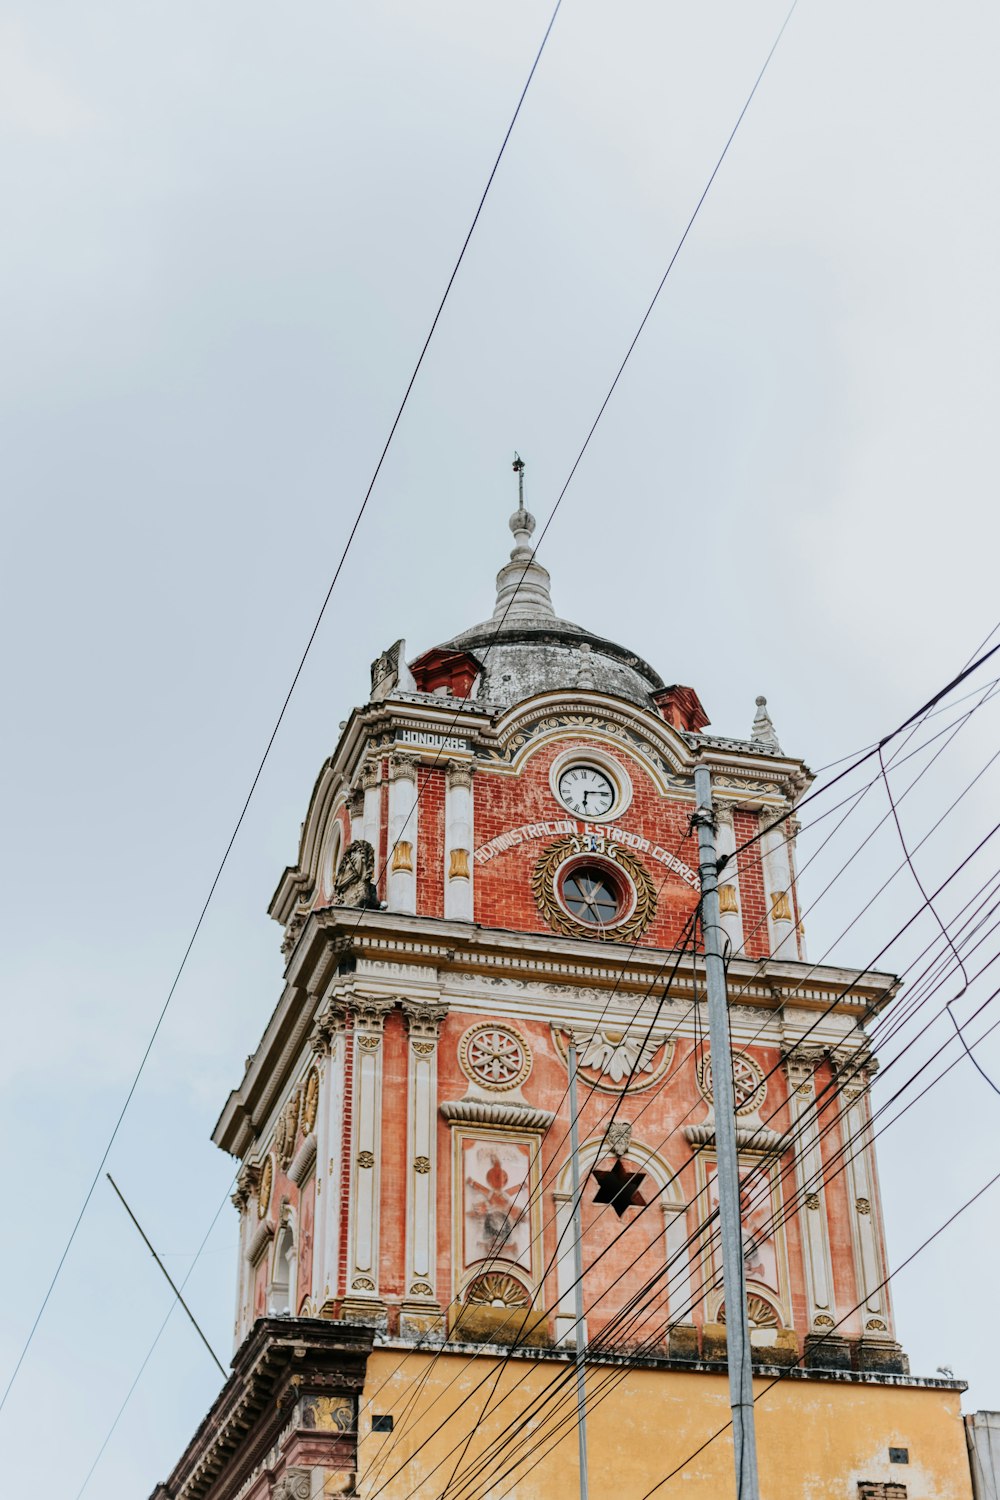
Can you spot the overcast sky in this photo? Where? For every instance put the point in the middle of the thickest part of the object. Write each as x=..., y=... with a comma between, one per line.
x=227, y=228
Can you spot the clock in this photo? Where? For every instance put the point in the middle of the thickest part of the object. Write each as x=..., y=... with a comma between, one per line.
x=586, y=791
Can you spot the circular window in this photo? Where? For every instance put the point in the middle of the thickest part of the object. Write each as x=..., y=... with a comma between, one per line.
x=604, y=897
x=592, y=894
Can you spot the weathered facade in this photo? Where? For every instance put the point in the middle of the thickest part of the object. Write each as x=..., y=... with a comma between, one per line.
x=498, y=857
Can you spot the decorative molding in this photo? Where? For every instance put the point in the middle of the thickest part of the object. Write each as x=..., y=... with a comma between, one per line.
x=422, y=1164
x=259, y=1240
x=366, y=1159
x=496, y=1112
x=544, y=878
x=748, y=1137
x=619, y=1056
x=287, y=1129
x=403, y=766
x=303, y=1161
x=402, y=857
x=459, y=773
x=619, y=1137
x=497, y=1288
x=264, y=1186
x=423, y=1020
x=310, y=1101
x=749, y=1084
x=458, y=865
x=494, y=1057
x=370, y=1011
x=294, y=1484
x=759, y=1312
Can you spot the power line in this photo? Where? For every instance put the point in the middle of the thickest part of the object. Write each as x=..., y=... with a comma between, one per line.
x=281, y=715
x=643, y=1209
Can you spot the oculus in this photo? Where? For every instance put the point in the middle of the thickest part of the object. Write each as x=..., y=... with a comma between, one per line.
x=609, y=895
x=495, y=1057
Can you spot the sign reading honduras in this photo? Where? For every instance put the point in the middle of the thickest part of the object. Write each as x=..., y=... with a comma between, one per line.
x=594, y=839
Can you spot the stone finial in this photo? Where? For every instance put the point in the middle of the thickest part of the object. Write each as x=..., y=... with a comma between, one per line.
x=762, y=732
x=522, y=584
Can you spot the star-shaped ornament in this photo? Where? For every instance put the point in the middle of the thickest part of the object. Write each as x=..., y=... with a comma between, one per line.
x=619, y=1187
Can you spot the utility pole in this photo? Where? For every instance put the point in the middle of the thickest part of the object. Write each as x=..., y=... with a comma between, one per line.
x=737, y=1322
x=581, y=1389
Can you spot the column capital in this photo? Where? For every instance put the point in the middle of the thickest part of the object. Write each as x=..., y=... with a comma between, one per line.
x=356, y=802
x=369, y=775
x=459, y=772
x=800, y=1064
x=403, y=766
x=423, y=1018
x=370, y=1011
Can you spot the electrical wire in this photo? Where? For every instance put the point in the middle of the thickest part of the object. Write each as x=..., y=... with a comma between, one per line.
x=280, y=718
x=640, y=1211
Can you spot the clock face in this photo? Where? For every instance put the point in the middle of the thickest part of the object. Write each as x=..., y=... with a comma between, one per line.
x=586, y=791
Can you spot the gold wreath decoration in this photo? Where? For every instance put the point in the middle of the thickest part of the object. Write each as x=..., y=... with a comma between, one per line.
x=310, y=1101
x=264, y=1187
x=543, y=886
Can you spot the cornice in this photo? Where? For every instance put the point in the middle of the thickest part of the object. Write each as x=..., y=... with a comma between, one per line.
x=279, y=1359
x=381, y=954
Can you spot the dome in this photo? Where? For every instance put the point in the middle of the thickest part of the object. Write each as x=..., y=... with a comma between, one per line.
x=526, y=649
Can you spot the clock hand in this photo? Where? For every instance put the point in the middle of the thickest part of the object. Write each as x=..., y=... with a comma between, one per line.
x=585, y=796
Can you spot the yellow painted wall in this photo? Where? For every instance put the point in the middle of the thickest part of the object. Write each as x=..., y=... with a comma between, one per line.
x=816, y=1438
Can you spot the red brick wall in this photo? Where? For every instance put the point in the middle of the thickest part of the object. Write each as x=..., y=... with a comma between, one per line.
x=503, y=895
x=430, y=858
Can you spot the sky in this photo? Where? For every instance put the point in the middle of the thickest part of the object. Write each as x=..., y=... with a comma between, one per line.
x=227, y=230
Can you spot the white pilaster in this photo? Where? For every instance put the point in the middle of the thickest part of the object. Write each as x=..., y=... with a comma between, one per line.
x=458, y=835
x=731, y=909
x=565, y=1273
x=778, y=886
x=356, y=811
x=820, y=1304
x=423, y=1020
x=371, y=818
x=678, y=1279
x=366, y=1166
x=328, y=1044
x=866, y=1223
x=402, y=848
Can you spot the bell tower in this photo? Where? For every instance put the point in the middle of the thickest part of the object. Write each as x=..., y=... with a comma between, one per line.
x=498, y=858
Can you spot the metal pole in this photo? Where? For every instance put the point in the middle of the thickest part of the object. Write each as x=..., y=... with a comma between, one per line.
x=581, y=1390
x=737, y=1322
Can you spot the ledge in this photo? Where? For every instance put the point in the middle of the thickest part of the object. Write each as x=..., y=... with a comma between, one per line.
x=496, y=1112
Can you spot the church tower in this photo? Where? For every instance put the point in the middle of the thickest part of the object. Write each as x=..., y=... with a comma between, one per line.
x=498, y=859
